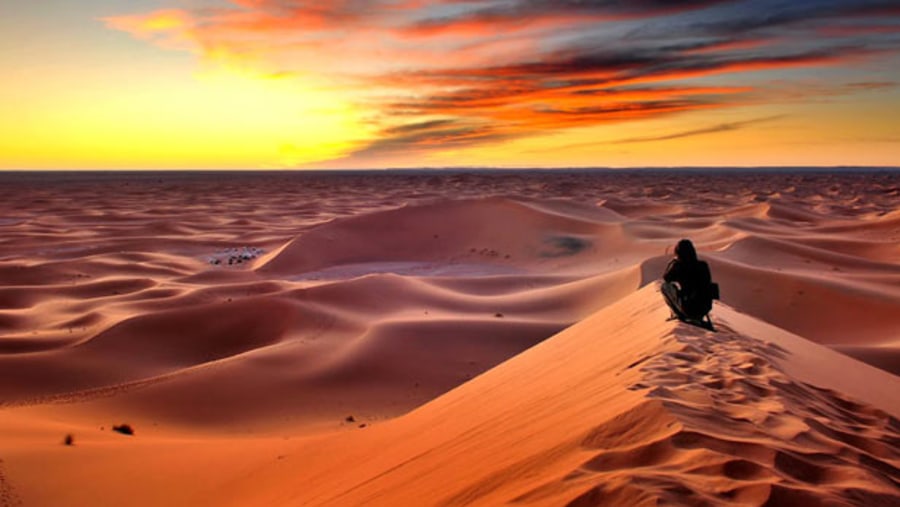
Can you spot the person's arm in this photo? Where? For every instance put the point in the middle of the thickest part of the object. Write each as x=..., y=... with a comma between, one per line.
x=671, y=273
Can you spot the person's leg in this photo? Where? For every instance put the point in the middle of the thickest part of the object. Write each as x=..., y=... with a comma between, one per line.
x=670, y=294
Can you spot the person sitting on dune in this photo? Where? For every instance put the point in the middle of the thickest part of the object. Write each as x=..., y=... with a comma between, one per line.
x=688, y=287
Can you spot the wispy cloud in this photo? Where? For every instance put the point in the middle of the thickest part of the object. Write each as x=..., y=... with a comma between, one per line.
x=695, y=132
x=714, y=129
x=441, y=74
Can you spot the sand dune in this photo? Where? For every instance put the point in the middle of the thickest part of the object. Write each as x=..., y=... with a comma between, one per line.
x=421, y=306
x=622, y=408
x=485, y=231
x=674, y=414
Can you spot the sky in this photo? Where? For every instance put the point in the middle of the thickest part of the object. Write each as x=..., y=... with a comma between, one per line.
x=271, y=84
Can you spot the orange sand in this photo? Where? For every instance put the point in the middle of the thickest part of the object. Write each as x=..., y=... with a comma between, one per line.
x=495, y=339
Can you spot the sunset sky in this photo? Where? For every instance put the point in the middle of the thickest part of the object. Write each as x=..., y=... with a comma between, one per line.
x=159, y=84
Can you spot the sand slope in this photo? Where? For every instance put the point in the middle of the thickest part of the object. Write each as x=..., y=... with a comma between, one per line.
x=625, y=408
x=622, y=408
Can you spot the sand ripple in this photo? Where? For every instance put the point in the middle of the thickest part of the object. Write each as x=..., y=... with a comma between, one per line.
x=723, y=424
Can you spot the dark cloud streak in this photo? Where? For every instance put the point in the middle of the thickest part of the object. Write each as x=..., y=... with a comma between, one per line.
x=715, y=129
x=523, y=13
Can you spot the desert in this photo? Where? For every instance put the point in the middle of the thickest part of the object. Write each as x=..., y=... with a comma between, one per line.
x=447, y=337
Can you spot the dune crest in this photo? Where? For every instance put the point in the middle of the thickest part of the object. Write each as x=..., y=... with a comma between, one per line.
x=489, y=231
x=626, y=408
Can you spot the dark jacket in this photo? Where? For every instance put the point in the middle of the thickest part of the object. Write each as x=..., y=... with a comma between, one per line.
x=695, y=279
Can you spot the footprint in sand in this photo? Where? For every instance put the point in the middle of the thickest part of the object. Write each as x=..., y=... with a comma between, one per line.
x=8, y=495
x=721, y=416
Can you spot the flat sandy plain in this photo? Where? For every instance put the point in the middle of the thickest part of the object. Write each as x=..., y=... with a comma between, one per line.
x=447, y=338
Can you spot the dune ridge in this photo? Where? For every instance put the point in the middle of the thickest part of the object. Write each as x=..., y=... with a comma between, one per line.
x=626, y=408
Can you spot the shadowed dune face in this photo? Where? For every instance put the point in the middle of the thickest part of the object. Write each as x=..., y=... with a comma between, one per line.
x=366, y=285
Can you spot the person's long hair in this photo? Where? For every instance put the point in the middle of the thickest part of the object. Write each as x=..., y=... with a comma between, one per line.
x=685, y=251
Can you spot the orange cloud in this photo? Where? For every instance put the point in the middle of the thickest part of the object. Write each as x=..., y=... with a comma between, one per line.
x=447, y=73
x=169, y=28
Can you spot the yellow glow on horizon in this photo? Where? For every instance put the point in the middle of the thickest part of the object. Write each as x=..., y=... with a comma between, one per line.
x=219, y=118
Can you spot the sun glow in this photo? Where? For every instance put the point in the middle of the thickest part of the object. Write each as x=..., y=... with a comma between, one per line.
x=296, y=121
x=215, y=118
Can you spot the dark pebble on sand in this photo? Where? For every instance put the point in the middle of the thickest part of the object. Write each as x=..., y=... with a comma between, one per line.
x=124, y=429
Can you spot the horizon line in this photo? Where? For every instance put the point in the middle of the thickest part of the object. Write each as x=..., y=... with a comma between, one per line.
x=466, y=168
